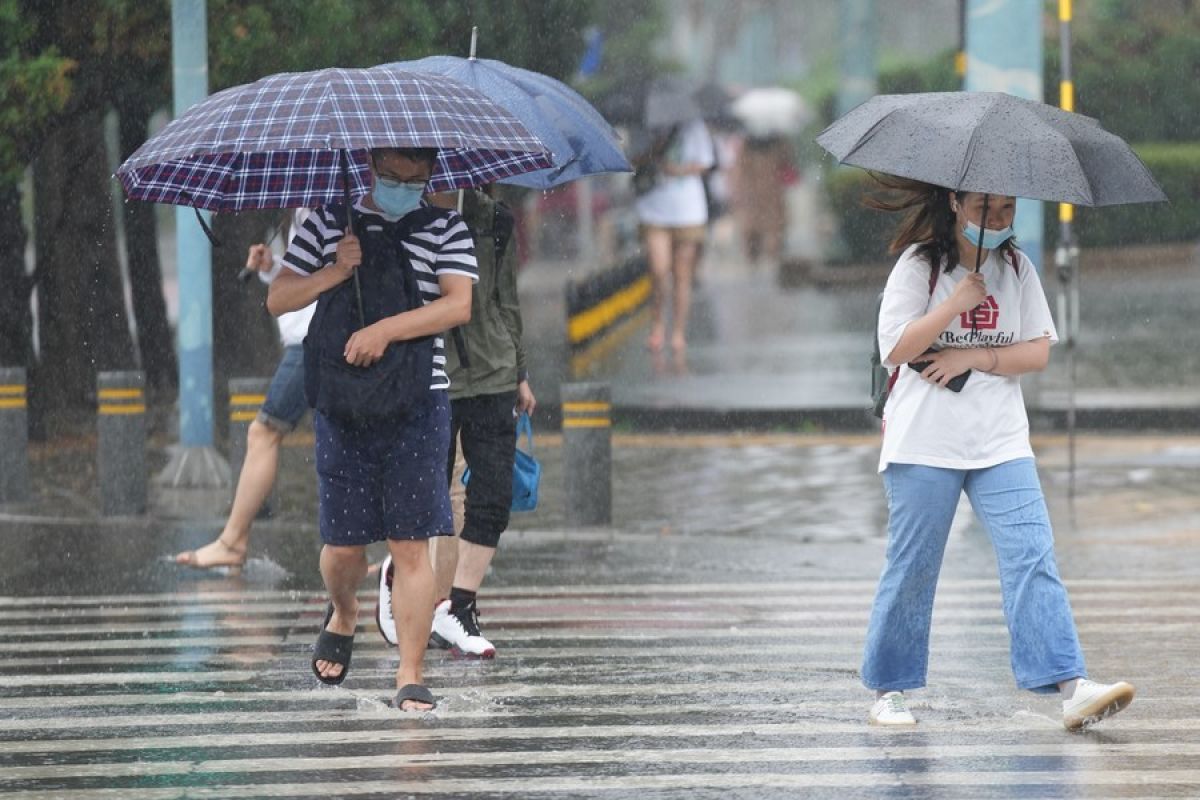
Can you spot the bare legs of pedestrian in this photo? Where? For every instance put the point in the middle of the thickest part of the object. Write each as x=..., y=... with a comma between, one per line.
x=412, y=608
x=683, y=264
x=254, y=486
x=657, y=243
x=672, y=264
x=342, y=569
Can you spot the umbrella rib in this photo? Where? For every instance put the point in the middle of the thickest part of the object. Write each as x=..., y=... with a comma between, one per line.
x=970, y=149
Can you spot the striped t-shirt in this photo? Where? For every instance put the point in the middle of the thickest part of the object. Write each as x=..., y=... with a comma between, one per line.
x=442, y=247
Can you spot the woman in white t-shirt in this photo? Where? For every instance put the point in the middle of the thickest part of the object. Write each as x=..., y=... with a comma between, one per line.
x=993, y=326
x=673, y=214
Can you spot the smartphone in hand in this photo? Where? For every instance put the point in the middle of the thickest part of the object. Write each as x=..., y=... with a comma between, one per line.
x=955, y=384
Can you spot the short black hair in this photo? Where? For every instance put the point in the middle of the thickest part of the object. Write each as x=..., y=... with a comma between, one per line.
x=425, y=155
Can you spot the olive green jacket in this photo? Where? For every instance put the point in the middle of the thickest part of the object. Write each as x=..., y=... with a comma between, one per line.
x=493, y=336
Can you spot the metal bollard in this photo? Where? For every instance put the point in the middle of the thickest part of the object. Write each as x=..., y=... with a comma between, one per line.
x=246, y=396
x=14, y=436
x=121, y=424
x=587, y=453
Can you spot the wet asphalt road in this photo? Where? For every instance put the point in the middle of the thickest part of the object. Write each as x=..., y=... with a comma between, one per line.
x=706, y=645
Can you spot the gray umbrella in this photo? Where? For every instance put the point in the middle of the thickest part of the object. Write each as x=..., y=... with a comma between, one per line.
x=995, y=143
x=671, y=101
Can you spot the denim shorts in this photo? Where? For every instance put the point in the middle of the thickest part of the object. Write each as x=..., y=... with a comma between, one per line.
x=385, y=478
x=285, y=404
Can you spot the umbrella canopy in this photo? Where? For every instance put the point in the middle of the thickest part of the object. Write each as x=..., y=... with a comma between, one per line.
x=995, y=143
x=771, y=111
x=580, y=140
x=671, y=101
x=276, y=143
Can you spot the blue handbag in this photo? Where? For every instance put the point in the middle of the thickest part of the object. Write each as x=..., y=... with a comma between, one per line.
x=527, y=472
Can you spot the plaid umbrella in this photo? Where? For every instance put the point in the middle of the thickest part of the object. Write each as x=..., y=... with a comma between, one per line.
x=276, y=143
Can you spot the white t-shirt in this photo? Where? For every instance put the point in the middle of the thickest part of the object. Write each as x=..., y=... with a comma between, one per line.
x=985, y=423
x=293, y=325
x=677, y=201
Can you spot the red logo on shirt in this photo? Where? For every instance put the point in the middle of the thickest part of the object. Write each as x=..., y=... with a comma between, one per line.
x=986, y=314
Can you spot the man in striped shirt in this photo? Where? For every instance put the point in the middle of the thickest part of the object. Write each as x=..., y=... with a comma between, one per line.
x=384, y=479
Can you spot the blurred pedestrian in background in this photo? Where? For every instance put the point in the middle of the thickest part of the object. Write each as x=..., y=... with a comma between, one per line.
x=282, y=410
x=765, y=169
x=946, y=320
x=672, y=210
x=489, y=382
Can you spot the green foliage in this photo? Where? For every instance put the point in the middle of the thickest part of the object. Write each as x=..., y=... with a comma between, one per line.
x=865, y=232
x=34, y=86
x=249, y=40
x=1138, y=76
x=1177, y=168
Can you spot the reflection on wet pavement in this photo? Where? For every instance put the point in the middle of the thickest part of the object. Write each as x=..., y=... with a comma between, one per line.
x=707, y=645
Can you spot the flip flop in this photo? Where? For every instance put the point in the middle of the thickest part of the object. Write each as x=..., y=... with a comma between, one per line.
x=417, y=692
x=333, y=647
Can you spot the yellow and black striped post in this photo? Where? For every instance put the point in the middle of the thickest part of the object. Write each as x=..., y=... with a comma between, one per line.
x=14, y=436
x=246, y=396
x=121, y=425
x=587, y=453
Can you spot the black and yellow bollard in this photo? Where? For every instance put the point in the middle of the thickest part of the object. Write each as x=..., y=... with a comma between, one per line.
x=587, y=453
x=14, y=436
x=246, y=396
x=121, y=424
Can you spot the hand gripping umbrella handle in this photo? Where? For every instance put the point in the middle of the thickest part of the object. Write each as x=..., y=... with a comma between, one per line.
x=345, y=159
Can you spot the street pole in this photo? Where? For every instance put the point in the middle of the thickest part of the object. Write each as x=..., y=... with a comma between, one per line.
x=856, y=44
x=1004, y=54
x=1066, y=255
x=195, y=464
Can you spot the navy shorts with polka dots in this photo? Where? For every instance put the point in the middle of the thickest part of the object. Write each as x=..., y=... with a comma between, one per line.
x=385, y=478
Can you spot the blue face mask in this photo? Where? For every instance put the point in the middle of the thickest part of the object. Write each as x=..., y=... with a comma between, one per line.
x=396, y=198
x=991, y=238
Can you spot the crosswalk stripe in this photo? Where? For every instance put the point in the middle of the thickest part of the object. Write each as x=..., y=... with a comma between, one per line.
x=1149, y=586
x=677, y=783
x=587, y=629
x=794, y=755
x=684, y=689
x=1124, y=602
x=733, y=729
x=506, y=614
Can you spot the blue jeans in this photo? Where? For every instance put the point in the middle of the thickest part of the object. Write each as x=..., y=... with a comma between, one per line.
x=1008, y=500
x=286, y=403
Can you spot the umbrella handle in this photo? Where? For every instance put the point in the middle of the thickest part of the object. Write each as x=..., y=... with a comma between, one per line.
x=979, y=254
x=345, y=160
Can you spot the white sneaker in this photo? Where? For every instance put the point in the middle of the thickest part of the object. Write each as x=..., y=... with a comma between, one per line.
x=1093, y=702
x=891, y=709
x=459, y=632
x=383, y=607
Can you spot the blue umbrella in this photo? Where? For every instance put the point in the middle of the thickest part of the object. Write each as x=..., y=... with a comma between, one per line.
x=580, y=140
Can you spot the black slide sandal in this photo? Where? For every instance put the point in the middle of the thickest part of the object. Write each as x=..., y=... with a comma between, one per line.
x=333, y=647
x=417, y=692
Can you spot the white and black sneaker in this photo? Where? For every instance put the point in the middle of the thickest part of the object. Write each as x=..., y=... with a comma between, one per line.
x=459, y=632
x=383, y=606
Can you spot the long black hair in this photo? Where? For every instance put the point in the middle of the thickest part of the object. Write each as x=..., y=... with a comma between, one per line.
x=928, y=222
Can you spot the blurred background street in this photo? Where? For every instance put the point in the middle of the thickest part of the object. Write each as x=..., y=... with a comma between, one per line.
x=706, y=642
